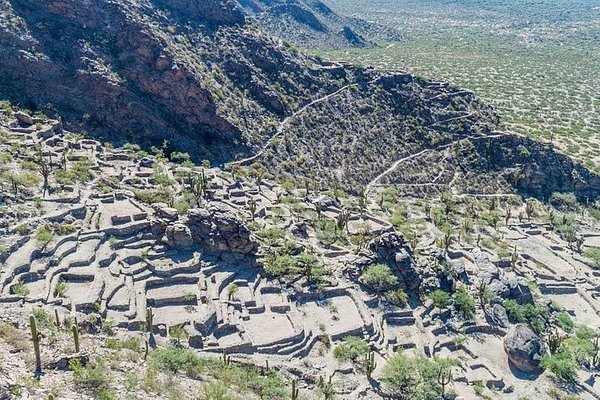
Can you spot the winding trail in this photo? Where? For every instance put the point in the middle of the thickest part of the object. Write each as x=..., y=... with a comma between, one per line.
x=396, y=164
x=286, y=121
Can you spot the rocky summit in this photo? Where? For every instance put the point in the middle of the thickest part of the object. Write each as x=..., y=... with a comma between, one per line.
x=192, y=209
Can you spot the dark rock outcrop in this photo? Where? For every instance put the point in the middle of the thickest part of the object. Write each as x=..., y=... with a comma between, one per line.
x=392, y=249
x=525, y=348
x=217, y=230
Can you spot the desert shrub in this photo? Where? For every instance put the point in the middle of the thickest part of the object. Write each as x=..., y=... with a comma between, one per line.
x=464, y=303
x=43, y=236
x=13, y=336
x=352, y=348
x=593, y=254
x=215, y=391
x=564, y=201
x=379, y=277
x=154, y=196
x=132, y=343
x=20, y=289
x=278, y=265
x=562, y=364
x=565, y=322
x=440, y=299
x=414, y=377
x=271, y=235
x=311, y=266
x=60, y=288
x=399, y=217
x=397, y=297
x=532, y=314
x=93, y=379
x=267, y=385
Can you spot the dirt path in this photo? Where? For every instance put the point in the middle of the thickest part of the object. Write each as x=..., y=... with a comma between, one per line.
x=395, y=165
x=285, y=122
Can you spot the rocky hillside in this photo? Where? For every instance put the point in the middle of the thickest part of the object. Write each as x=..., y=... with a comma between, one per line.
x=211, y=83
x=149, y=278
x=311, y=23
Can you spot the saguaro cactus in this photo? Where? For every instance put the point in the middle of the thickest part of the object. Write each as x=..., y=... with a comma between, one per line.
x=149, y=319
x=75, y=330
x=295, y=390
x=56, y=318
x=226, y=358
x=444, y=378
x=35, y=338
x=370, y=363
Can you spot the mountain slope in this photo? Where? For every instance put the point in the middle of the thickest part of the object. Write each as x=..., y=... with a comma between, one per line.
x=311, y=23
x=202, y=77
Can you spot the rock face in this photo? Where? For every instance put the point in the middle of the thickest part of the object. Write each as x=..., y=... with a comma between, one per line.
x=311, y=23
x=200, y=75
x=217, y=230
x=179, y=236
x=525, y=348
x=500, y=283
x=392, y=249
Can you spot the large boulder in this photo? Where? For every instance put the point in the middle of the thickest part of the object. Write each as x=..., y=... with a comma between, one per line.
x=518, y=289
x=218, y=230
x=179, y=236
x=525, y=348
x=392, y=249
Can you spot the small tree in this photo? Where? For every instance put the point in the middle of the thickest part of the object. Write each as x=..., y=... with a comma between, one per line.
x=440, y=299
x=232, y=290
x=379, y=277
x=464, y=303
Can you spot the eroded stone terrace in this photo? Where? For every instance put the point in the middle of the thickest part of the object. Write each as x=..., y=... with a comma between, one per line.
x=121, y=257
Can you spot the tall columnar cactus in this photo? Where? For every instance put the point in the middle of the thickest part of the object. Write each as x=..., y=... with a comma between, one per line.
x=149, y=319
x=226, y=358
x=75, y=330
x=554, y=341
x=35, y=338
x=370, y=363
x=252, y=207
x=56, y=318
x=295, y=390
x=443, y=379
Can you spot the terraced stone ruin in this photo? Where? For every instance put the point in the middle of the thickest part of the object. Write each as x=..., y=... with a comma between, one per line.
x=351, y=234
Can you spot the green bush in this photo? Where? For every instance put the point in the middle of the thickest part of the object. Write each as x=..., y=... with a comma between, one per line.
x=154, y=196
x=464, y=302
x=379, y=277
x=564, y=201
x=93, y=379
x=593, y=253
x=532, y=314
x=43, y=236
x=351, y=349
x=397, y=297
x=267, y=385
x=278, y=265
x=565, y=322
x=440, y=299
x=414, y=378
x=271, y=235
x=562, y=365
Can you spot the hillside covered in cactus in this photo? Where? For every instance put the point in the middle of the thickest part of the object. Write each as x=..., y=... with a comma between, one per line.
x=192, y=209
